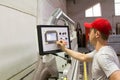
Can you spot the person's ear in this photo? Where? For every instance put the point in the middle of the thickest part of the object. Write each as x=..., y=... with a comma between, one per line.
x=97, y=34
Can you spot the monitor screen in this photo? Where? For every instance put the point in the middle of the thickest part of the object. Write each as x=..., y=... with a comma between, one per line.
x=51, y=36
x=48, y=35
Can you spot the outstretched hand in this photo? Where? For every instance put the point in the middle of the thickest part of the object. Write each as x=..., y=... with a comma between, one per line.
x=61, y=44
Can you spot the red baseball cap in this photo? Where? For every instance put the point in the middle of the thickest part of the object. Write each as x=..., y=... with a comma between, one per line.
x=101, y=24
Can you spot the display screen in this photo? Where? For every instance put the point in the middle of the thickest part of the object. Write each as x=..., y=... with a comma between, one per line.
x=48, y=35
x=51, y=37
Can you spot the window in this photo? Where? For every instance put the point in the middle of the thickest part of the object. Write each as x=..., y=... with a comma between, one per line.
x=94, y=11
x=117, y=7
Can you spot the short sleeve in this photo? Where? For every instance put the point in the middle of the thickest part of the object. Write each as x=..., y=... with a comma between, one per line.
x=91, y=54
x=107, y=63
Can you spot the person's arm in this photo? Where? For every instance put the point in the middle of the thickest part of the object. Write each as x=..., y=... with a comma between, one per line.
x=115, y=75
x=74, y=54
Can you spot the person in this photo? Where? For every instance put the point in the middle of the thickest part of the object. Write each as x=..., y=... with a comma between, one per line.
x=105, y=63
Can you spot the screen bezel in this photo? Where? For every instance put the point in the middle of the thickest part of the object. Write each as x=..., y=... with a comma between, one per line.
x=40, y=42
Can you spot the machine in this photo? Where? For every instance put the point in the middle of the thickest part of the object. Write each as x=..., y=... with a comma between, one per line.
x=58, y=66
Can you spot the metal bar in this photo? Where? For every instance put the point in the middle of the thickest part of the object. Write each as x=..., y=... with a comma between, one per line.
x=85, y=71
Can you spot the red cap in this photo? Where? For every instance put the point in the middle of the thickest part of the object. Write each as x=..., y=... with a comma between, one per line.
x=100, y=24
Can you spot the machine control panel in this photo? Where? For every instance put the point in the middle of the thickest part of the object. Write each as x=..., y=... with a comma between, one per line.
x=48, y=35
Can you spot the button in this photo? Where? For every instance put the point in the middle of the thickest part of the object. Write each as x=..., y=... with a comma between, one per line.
x=60, y=33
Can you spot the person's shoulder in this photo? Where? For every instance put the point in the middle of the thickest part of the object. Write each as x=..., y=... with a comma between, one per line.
x=107, y=50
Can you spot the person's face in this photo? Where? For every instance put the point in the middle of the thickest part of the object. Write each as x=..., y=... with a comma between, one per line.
x=92, y=36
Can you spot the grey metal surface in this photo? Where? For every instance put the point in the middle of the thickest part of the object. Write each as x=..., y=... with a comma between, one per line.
x=114, y=41
x=46, y=70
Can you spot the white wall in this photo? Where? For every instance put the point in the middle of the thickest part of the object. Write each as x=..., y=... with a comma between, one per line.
x=27, y=6
x=18, y=41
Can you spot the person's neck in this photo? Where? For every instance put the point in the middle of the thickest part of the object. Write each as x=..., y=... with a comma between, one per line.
x=100, y=44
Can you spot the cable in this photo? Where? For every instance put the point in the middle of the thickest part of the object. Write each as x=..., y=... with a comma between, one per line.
x=61, y=57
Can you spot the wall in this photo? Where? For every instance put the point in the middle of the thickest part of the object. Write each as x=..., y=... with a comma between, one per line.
x=77, y=11
x=26, y=6
x=18, y=39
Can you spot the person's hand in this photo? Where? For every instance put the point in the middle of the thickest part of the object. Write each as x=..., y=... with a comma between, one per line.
x=61, y=44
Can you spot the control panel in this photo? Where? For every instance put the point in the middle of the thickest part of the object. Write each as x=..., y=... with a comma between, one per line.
x=48, y=35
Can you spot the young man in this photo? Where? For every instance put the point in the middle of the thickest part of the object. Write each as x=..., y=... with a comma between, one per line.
x=105, y=63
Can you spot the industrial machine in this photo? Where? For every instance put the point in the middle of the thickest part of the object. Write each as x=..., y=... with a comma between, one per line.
x=54, y=64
